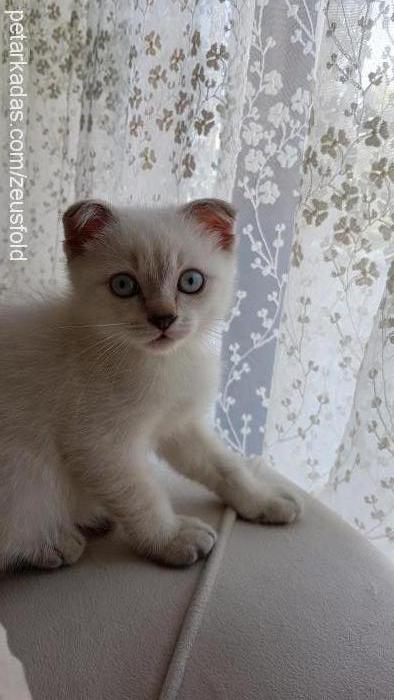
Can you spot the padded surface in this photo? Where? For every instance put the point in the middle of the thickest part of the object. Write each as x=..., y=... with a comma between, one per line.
x=303, y=612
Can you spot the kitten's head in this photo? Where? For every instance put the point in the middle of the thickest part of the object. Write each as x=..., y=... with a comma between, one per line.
x=151, y=278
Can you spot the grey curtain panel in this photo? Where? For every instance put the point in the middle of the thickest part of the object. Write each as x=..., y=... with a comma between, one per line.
x=266, y=193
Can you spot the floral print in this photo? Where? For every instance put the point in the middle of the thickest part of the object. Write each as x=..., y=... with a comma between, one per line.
x=273, y=130
x=131, y=102
x=330, y=424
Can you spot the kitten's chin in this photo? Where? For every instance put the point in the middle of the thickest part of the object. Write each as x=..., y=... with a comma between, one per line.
x=164, y=344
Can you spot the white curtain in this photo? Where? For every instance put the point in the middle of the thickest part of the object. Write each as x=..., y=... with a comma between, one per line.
x=331, y=419
x=128, y=101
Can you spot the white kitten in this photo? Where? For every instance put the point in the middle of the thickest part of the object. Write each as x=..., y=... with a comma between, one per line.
x=122, y=367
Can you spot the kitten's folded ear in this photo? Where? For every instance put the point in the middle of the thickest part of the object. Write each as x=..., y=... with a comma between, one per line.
x=82, y=222
x=216, y=217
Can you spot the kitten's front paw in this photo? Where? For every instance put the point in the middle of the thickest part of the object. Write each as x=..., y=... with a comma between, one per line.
x=71, y=545
x=193, y=540
x=268, y=498
x=279, y=509
x=268, y=505
x=66, y=550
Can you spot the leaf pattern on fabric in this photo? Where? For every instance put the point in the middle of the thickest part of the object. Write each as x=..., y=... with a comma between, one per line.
x=340, y=344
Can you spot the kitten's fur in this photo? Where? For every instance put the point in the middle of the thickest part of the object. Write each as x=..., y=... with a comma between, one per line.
x=86, y=398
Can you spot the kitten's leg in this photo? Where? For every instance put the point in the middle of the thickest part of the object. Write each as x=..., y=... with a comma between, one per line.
x=36, y=510
x=135, y=502
x=200, y=455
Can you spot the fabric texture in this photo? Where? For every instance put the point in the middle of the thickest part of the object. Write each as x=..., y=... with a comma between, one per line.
x=266, y=192
x=13, y=684
x=292, y=104
x=135, y=102
x=305, y=611
x=331, y=414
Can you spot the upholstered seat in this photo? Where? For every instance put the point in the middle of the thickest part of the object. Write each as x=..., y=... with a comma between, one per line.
x=299, y=612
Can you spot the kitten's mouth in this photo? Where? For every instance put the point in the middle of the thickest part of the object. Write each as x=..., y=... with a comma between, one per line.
x=165, y=340
x=161, y=341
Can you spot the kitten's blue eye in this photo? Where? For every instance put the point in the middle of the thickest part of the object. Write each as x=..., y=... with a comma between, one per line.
x=123, y=285
x=191, y=282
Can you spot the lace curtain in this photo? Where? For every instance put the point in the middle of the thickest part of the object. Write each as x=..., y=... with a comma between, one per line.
x=273, y=128
x=287, y=108
x=330, y=423
x=128, y=101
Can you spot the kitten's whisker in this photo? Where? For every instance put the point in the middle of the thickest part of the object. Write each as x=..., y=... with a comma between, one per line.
x=105, y=357
x=94, y=325
x=93, y=346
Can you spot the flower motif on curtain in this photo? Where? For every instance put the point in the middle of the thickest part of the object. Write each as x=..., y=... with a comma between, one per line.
x=273, y=128
x=331, y=413
x=131, y=102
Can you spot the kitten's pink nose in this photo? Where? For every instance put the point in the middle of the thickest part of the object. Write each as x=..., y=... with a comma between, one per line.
x=162, y=321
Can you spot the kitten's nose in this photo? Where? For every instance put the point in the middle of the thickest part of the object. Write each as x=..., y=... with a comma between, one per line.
x=162, y=321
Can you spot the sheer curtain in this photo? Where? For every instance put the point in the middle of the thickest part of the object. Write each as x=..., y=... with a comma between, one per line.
x=330, y=423
x=129, y=101
x=286, y=107
x=273, y=129
x=310, y=342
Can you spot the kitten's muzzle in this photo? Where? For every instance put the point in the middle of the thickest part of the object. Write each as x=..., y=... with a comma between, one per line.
x=162, y=321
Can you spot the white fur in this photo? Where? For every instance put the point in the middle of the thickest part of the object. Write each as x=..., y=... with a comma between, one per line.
x=85, y=401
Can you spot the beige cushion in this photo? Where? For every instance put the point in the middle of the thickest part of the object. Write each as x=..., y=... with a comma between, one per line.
x=305, y=611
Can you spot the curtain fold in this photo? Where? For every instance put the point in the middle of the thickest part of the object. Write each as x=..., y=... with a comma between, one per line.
x=273, y=129
x=330, y=421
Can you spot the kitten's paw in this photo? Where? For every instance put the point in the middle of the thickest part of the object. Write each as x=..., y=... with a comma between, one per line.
x=268, y=498
x=279, y=509
x=46, y=558
x=193, y=540
x=70, y=546
x=66, y=550
x=272, y=505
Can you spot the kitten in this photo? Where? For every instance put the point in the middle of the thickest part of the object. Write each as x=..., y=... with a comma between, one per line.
x=122, y=367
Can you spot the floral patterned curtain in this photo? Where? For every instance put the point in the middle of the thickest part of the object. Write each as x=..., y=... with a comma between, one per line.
x=273, y=128
x=128, y=101
x=330, y=422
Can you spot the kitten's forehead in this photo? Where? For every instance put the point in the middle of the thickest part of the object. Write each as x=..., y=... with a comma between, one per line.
x=154, y=259
x=157, y=244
